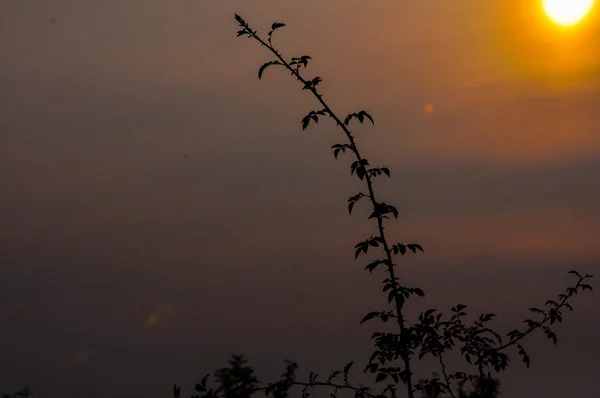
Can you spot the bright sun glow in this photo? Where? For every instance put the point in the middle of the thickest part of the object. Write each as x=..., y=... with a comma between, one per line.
x=567, y=12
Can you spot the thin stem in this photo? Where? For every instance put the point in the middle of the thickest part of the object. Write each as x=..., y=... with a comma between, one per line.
x=546, y=319
x=359, y=158
x=323, y=384
x=446, y=378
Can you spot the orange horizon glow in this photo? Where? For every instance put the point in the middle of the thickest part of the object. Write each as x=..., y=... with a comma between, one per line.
x=537, y=42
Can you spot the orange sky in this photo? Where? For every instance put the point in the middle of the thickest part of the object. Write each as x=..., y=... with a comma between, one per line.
x=149, y=182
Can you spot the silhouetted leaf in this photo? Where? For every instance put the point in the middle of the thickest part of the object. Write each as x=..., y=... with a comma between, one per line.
x=339, y=147
x=371, y=266
x=486, y=317
x=304, y=60
x=350, y=206
x=277, y=25
x=265, y=66
x=240, y=20
x=550, y=335
x=360, y=116
x=360, y=172
x=312, y=83
x=333, y=375
x=363, y=114
x=305, y=122
x=361, y=247
x=391, y=296
x=347, y=367
x=414, y=245
x=370, y=315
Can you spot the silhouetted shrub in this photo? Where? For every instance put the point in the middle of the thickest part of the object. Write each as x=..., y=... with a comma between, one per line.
x=433, y=334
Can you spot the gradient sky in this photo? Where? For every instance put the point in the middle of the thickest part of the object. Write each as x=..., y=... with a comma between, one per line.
x=161, y=208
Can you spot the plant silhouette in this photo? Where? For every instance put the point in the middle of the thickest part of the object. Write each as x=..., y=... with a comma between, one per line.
x=434, y=334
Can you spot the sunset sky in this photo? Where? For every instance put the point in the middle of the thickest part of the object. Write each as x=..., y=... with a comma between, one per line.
x=161, y=208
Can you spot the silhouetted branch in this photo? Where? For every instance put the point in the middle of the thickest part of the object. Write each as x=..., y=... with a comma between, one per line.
x=431, y=334
x=380, y=210
x=445, y=374
x=552, y=315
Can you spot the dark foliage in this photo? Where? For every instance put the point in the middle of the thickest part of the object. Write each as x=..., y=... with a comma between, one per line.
x=23, y=393
x=484, y=350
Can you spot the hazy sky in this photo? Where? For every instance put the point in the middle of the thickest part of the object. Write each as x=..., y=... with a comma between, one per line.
x=161, y=208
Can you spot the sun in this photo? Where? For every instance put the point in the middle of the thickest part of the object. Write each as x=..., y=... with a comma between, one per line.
x=567, y=12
